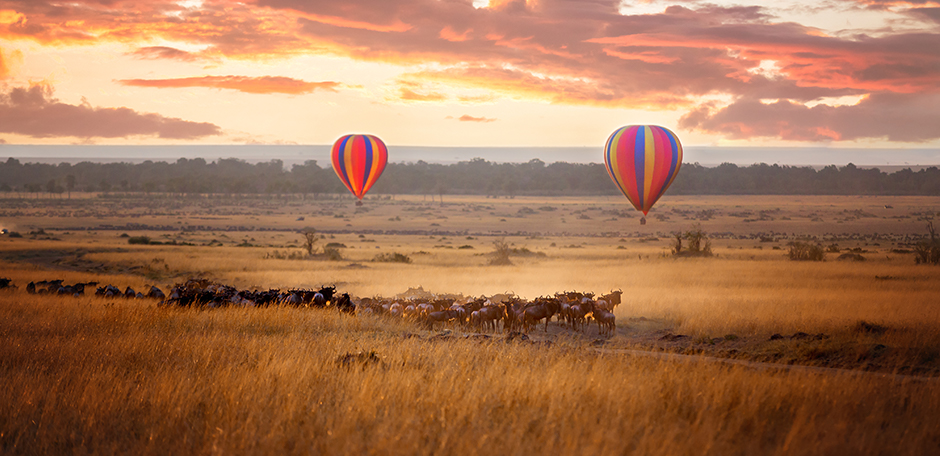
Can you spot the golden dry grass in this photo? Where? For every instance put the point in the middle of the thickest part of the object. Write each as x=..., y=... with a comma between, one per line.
x=85, y=375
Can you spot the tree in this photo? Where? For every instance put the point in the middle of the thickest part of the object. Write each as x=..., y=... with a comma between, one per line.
x=501, y=252
x=441, y=189
x=699, y=244
x=70, y=184
x=50, y=187
x=310, y=239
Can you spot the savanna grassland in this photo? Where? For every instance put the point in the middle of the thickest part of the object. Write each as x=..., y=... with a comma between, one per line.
x=95, y=375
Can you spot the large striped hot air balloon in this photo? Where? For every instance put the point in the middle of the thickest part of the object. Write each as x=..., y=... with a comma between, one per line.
x=359, y=161
x=643, y=160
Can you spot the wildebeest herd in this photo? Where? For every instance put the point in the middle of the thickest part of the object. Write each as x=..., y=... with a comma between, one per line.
x=573, y=309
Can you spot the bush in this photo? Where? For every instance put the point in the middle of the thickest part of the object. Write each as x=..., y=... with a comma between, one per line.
x=333, y=254
x=501, y=252
x=928, y=251
x=391, y=258
x=802, y=251
x=144, y=240
x=699, y=244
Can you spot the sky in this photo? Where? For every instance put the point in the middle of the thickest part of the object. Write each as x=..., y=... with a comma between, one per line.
x=482, y=73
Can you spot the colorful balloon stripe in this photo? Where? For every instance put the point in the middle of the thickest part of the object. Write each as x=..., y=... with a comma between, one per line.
x=359, y=160
x=643, y=161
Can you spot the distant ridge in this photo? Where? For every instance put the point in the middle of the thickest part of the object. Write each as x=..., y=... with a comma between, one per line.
x=884, y=159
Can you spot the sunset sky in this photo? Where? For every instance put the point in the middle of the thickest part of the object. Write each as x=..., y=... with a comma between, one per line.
x=838, y=73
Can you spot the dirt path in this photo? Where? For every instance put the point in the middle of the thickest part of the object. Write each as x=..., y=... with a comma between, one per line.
x=766, y=367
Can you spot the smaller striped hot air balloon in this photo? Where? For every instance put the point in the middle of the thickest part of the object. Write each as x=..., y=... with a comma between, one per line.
x=643, y=160
x=359, y=160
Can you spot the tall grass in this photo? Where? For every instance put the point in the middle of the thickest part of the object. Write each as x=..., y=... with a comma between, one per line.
x=85, y=376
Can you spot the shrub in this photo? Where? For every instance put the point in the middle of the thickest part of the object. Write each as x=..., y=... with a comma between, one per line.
x=928, y=251
x=501, y=252
x=802, y=251
x=699, y=244
x=394, y=257
x=333, y=254
x=144, y=240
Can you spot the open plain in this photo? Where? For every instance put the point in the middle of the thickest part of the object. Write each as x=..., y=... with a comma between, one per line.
x=742, y=352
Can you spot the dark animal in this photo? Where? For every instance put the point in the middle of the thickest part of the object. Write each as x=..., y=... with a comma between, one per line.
x=542, y=308
x=155, y=293
x=345, y=304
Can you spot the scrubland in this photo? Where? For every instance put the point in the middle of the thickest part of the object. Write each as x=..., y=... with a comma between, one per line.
x=90, y=375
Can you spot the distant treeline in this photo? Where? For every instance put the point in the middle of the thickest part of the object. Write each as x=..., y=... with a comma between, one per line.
x=477, y=176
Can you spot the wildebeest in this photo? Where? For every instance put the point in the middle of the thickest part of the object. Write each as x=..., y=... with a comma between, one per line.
x=490, y=315
x=440, y=316
x=541, y=308
x=155, y=293
x=606, y=322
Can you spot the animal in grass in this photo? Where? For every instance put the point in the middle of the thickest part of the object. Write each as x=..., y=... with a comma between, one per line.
x=606, y=322
x=609, y=301
x=440, y=316
x=541, y=308
x=395, y=309
x=327, y=293
x=578, y=313
x=344, y=304
x=155, y=293
x=475, y=321
x=490, y=316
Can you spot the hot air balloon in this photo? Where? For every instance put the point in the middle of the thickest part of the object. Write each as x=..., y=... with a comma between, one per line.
x=643, y=160
x=359, y=160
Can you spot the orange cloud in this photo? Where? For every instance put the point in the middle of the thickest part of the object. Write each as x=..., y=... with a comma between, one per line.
x=33, y=112
x=468, y=118
x=4, y=70
x=576, y=52
x=164, y=52
x=259, y=85
x=449, y=34
x=407, y=94
x=891, y=116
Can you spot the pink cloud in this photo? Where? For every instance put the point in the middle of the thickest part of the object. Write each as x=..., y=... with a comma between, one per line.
x=164, y=52
x=895, y=117
x=258, y=85
x=33, y=112
x=583, y=52
x=4, y=69
x=468, y=118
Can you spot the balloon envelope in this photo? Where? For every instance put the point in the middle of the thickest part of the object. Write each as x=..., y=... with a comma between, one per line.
x=643, y=160
x=359, y=160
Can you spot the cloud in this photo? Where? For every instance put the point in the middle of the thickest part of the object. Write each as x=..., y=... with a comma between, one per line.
x=33, y=112
x=469, y=118
x=258, y=85
x=896, y=117
x=164, y=52
x=580, y=52
x=407, y=94
x=4, y=69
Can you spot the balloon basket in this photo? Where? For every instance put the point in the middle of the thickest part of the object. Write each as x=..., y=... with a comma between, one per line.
x=359, y=203
x=642, y=220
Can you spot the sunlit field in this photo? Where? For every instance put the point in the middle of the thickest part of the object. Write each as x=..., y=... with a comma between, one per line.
x=90, y=374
